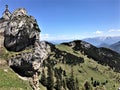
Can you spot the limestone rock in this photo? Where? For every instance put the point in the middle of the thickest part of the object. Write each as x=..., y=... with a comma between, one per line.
x=3, y=23
x=6, y=14
x=26, y=64
x=19, y=12
x=22, y=31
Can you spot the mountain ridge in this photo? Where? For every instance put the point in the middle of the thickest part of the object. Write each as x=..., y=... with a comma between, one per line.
x=99, y=40
x=102, y=55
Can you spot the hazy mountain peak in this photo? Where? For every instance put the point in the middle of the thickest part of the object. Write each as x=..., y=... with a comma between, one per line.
x=97, y=41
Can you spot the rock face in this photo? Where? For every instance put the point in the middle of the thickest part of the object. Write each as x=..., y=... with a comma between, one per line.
x=1, y=39
x=6, y=13
x=30, y=64
x=3, y=23
x=26, y=64
x=22, y=30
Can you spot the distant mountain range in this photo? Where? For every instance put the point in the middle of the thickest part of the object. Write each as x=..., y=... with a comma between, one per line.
x=96, y=41
x=101, y=41
x=59, y=41
x=111, y=42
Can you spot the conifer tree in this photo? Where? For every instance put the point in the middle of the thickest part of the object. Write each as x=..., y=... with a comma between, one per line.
x=43, y=78
x=50, y=79
x=70, y=81
x=64, y=84
x=58, y=85
x=77, y=84
x=87, y=86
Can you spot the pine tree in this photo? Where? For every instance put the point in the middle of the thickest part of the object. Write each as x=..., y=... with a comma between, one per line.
x=50, y=79
x=43, y=78
x=77, y=84
x=64, y=84
x=87, y=86
x=70, y=81
x=58, y=85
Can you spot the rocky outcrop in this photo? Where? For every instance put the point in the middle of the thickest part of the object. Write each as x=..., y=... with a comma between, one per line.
x=22, y=31
x=26, y=64
x=6, y=13
x=1, y=40
x=3, y=23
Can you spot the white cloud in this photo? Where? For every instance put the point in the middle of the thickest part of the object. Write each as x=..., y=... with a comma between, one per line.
x=74, y=36
x=44, y=36
x=111, y=30
x=114, y=30
x=98, y=32
x=50, y=37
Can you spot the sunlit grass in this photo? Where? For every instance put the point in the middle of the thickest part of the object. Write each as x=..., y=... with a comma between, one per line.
x=90, y=68
x=10, y=81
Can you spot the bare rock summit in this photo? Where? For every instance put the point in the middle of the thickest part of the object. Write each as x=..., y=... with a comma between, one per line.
x=21, y=31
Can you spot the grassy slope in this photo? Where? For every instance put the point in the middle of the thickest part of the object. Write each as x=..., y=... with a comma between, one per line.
x=10, y=81
x=89, y=69
x=8, y=78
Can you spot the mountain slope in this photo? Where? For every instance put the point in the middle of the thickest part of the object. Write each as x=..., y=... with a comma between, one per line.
x=65, y=59
x=103, y=56
x=104, y=45
x=83, y=71
x=89, y=68
x=9, y=79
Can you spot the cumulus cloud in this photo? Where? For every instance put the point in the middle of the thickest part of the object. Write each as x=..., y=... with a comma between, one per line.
x=98, y=32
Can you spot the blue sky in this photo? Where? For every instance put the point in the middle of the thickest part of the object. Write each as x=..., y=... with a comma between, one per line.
x=71, y=19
